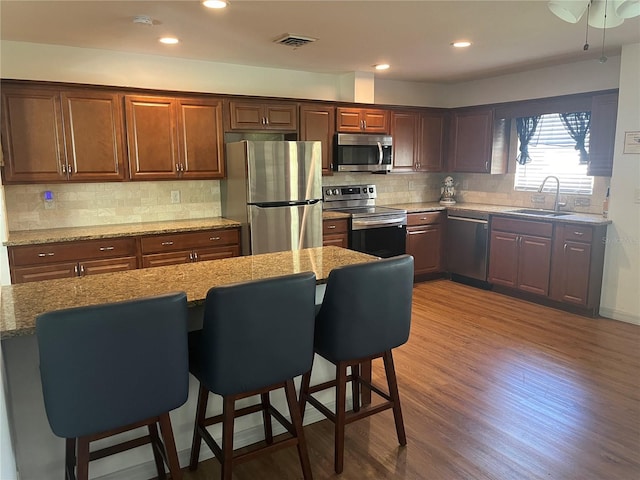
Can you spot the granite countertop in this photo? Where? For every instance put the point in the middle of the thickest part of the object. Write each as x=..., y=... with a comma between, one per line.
x=32, y=237
x=571, y=217
x=21, y=303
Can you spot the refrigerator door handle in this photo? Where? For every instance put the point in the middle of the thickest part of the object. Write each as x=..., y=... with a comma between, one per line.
x=285, y=203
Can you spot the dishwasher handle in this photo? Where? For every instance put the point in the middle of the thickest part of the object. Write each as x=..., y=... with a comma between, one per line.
x=471, y=220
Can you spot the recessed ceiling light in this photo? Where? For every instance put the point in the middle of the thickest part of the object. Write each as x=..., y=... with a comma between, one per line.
x=382, y=66
x=461, y=44
x=215, y=3
x=169, y=40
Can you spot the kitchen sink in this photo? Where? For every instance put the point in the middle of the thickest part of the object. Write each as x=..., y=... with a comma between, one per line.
x=540, y=213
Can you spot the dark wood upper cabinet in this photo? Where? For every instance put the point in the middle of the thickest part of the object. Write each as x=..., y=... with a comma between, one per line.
x=363, y=120
x=152, y=137
x=201, y=138
x=51, y=135
x=604, y=112
x=418, y=141
x=479, y=143
x=317, y=122
x=174, y=138
x=94, y=135
x=432, y=142
x=405, y=133
x=255, y=115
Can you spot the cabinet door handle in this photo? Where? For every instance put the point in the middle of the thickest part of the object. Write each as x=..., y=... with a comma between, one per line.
x=48, y=254
x=195, y=256
x=166, y=244
x=564, y=247
x=364, y=123
x=578, y=233
x=191, y=256
x=214, y=239
x=81, y=270
x=64, y=168
x=415, y=232
x=107, y=249
x=331, y=227
x=70, y=169
x=423, y=218
x=75, y=270
x=486, y=166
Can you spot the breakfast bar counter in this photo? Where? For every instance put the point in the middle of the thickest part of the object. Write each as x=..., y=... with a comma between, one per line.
x=22, y=303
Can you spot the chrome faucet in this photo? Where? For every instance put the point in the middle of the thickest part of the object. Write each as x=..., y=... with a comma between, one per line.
x=556, y=203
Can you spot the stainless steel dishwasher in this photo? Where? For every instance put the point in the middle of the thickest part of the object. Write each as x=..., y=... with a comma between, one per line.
x=467, y=244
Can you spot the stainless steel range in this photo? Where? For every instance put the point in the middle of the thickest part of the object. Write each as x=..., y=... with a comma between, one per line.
x=379, y=231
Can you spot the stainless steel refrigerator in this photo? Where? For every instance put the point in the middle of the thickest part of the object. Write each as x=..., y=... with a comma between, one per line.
x=274, y=189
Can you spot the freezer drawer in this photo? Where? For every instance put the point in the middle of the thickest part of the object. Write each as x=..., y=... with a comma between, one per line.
x=276, y=229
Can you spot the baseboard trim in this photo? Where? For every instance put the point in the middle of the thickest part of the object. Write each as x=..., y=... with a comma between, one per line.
x=618, y=315
x=242, y=438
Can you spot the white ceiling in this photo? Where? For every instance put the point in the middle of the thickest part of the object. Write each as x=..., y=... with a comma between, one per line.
x=413, y=36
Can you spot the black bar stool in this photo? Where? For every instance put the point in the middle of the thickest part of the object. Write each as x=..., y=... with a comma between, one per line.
x=110, y=368
x=366, y=312
x=256, y=337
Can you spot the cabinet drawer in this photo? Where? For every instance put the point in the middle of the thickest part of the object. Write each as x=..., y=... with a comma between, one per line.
x=185, y=241
x=525, y=227
x=69, y=251
x=424, y=218
x=330, y=227
x=577, y=233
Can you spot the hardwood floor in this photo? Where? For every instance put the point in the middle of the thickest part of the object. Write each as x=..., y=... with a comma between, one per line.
x=492, y=388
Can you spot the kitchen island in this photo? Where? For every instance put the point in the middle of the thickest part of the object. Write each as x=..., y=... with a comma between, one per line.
x=39, y=454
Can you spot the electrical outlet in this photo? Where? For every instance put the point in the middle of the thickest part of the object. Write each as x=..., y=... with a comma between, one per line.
x=175, y=196
x=582, y=202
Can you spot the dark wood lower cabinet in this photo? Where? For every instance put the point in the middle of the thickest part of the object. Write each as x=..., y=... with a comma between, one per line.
x=578, y=261
x=31, y=263
x=559, y=263
x=335, y=233
x=424, y=242
x=520, y=254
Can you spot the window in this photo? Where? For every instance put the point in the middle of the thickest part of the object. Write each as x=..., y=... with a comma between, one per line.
x=552, y=152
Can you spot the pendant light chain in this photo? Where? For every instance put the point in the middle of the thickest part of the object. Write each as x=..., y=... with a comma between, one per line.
x=603, y=58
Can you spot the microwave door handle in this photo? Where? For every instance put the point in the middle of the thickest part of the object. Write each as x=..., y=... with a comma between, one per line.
x=380, y=153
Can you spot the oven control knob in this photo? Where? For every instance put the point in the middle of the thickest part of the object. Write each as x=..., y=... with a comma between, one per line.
x=328, y=193
x=370, y=189
x=336, y=191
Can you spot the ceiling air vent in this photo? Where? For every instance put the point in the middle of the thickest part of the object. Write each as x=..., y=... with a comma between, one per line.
x=291, y=40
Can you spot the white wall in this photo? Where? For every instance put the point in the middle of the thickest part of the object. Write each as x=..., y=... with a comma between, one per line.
x=577, y=77
x=621, y=282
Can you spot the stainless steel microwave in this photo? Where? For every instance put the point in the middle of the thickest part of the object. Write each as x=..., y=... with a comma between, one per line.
x=361, y=152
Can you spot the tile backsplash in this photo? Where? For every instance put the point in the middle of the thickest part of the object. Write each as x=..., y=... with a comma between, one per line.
x=77, y=205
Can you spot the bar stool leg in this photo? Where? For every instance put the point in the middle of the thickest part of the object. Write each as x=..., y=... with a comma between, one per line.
x=355, y=386
x=83, y=458
x=395, y=396
x=228, y=414
x=70, y=459
x=341, y=394
x=156, y=446
x=304, y=391
x=266, y=418
x=170, y=446
x=201, y=411
x=296, y=420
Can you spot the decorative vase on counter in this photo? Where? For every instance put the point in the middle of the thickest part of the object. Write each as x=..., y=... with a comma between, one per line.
x=447, y=192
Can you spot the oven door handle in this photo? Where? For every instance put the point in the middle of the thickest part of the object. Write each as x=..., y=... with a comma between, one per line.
x=364, y=224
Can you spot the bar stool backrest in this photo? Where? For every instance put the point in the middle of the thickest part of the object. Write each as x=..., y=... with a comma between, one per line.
x=106, y=366
x=256, y=334
x=366, y=309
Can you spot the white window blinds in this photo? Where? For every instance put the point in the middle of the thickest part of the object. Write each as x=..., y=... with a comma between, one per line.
x=552, y=152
